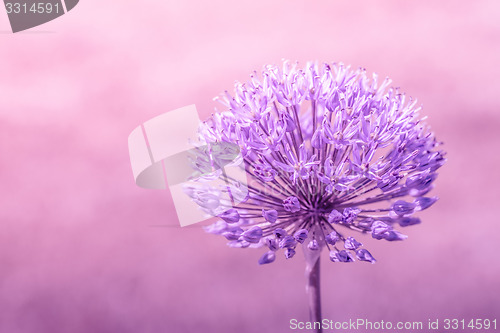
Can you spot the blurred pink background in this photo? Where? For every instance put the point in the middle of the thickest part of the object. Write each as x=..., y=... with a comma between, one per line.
x=79, y=249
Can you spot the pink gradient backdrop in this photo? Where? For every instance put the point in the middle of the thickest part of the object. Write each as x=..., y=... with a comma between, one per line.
x=78, y=252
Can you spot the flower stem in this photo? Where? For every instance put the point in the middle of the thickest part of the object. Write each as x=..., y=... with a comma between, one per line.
x=314, y=293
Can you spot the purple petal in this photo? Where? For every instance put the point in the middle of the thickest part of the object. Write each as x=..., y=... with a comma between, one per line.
x=407, y=221
x=402, y=208
x=270, y=215
x=288, y=241
x=272, y=244
x=420, y=181
x=238, y=244
x=313, y=245
x=335, y=217
x=301, y=235
x=424, y=202
x=351, y=244
x=394, y=235
x=290, y=123
x=332, y=238
x=317, y=139
x=379, y=229
x=291, y=204
x=207, y=200
x=364, y=255
x=280, y=233
x=252, y=235
x=350, y=214
x=267, y=258
x=388, y=183
x=366, y=224
x=341, y=256
x=216, y=228
x=230, y=216
x=289, y=253
x=233, y=234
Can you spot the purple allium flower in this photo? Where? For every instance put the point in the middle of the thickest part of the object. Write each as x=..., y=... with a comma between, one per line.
x=328, y=152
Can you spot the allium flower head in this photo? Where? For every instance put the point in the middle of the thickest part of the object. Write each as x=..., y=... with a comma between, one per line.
x=329, y=153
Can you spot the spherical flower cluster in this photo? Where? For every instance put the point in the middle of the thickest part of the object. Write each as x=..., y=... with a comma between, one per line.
x=328, y=152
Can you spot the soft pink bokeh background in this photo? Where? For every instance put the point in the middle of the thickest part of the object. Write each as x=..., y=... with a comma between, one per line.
x=79, y=251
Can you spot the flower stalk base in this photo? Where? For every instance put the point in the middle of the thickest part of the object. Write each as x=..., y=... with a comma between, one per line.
x=313, y=289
